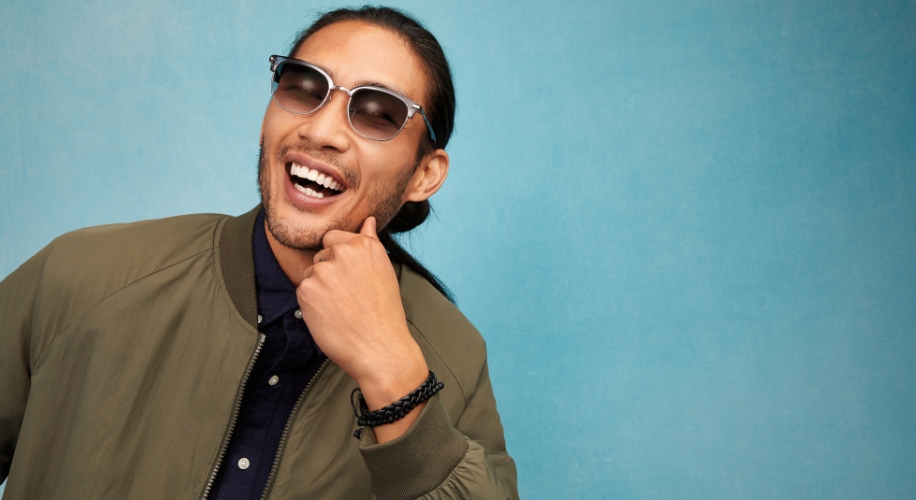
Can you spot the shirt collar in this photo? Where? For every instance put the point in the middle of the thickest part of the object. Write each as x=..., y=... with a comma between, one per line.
x=276, y=293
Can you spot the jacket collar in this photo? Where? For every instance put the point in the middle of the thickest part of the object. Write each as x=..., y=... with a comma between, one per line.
x=237, y=263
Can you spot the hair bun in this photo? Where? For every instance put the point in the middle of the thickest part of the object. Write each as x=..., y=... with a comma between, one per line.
x=411, y=215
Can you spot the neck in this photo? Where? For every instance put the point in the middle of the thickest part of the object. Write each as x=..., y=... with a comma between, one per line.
x=293, y=262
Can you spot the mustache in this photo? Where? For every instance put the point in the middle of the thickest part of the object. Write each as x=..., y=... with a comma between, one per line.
x=350, y=175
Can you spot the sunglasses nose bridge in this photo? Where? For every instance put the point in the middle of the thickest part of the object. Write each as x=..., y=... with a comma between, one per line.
x=342, y=89
x=330, y=95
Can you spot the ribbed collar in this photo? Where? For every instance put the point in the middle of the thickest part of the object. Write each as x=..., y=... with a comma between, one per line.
x=237, y=263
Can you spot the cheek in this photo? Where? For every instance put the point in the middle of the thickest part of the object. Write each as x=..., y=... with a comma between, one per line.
x=274, y=127
x=389, y=187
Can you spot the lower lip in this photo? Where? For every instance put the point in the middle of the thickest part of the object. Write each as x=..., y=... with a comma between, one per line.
x=302, y=199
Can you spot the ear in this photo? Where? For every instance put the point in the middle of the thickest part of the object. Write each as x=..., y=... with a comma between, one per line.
x=428, y=177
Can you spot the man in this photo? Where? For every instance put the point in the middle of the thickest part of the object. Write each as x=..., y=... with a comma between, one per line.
x=217, y=357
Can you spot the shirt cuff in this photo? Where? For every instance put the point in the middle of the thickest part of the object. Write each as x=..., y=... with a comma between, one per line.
x=418, y=461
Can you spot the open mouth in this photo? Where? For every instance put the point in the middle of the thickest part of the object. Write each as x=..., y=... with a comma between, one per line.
x=312, y=182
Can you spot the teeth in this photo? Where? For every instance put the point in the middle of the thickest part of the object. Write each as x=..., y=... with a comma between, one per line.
x=304, y=172
x=299, y=170
x=309, y=191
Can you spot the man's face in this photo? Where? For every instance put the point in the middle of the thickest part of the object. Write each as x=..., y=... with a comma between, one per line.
x=373, y=177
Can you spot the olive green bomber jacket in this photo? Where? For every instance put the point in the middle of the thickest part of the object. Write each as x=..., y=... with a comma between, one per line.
x=124, y=351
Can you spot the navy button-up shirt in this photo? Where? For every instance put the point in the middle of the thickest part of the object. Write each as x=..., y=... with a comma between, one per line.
x=288, y=361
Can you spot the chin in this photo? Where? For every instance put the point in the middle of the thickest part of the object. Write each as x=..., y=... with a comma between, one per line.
x=299, y=234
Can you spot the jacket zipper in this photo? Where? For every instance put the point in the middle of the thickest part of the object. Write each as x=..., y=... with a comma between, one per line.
x=235, y=415
x=292, y=416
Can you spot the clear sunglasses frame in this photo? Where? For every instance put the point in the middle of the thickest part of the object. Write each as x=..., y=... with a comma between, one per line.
x=412, y=107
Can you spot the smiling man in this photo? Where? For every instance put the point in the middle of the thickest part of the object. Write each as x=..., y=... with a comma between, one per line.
x=292, y=352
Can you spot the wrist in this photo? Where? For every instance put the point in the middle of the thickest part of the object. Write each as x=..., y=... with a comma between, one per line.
x=385, y=385
x=397, y=413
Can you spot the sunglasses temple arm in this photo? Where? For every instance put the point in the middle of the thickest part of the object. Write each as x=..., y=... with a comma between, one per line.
x=428, y=126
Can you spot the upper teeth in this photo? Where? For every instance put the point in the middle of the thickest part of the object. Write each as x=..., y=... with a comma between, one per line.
x=304, y=172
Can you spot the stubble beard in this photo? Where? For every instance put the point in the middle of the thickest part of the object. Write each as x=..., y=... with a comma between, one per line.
x=384, y=205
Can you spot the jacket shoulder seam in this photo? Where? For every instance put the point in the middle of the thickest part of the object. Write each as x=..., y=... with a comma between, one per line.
x=113, y=293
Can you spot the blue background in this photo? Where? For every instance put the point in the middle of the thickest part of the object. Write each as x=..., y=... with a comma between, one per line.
x=687, y=230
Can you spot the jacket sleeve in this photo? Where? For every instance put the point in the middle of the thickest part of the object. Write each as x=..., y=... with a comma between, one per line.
x=437, y=460
x=17, y=299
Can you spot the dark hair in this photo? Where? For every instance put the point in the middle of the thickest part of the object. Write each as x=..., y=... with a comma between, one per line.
x=439, y=108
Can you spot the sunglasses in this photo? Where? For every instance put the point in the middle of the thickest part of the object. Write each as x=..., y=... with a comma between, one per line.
x=375, y=113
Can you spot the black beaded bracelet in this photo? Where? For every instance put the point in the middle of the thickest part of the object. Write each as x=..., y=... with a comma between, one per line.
x=394, y=411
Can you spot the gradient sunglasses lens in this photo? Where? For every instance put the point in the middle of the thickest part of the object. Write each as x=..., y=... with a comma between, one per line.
x=377, y=114
x=298, y=88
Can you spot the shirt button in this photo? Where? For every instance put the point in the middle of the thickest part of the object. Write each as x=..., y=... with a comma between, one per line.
x=244, y=463
x=298, y=314
x=260, y=319
x=273, y=380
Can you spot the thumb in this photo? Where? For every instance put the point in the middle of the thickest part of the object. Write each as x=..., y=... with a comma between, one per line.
x=369, y=228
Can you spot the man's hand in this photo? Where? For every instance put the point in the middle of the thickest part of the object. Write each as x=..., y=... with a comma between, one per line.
x=351, y=302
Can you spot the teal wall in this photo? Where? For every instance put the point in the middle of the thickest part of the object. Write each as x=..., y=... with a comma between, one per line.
x=686, y=229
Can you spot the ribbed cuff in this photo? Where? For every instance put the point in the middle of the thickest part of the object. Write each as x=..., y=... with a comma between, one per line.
x=418, y=461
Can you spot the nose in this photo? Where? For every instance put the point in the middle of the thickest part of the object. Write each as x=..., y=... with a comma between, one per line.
x=328, y=127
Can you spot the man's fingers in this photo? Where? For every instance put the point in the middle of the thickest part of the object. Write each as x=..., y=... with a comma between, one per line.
x=369, y=228
x=308, y=273
x=323, y=255
x=336, y=237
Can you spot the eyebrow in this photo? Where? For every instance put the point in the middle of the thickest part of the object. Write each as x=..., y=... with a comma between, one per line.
x=366, y=83
x=369, y=83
